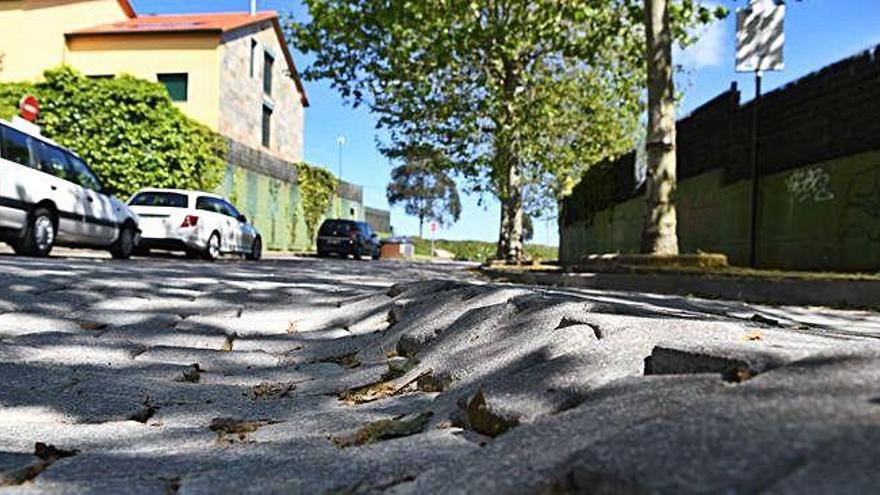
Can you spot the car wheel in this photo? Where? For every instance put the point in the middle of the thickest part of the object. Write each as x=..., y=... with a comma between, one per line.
x=212, y=250
x=39, y=234
x=323, y=254
x=123, y=248
x=256, y=250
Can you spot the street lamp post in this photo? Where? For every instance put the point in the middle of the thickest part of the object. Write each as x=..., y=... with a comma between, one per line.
x=340, y=142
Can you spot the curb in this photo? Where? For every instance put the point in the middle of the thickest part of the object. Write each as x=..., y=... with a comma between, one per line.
x=844, y=294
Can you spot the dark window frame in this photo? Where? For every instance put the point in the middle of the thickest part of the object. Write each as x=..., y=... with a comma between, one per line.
x=4, y=131
x=253, y=65
x=166, y=78
x=72, y=161
x=266, y=125
x=268, y=66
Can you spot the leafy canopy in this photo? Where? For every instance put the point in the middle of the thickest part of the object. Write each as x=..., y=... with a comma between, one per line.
x=519, y=96
x=424, y=189
x=127, y=129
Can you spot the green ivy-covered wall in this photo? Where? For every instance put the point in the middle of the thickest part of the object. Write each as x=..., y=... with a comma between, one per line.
x=274, y=206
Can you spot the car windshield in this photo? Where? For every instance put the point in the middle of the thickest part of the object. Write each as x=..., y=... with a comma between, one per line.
x=337, y=227
x=164, y=199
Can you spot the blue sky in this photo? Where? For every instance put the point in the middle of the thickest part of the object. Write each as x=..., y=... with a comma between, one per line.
x=818, y=32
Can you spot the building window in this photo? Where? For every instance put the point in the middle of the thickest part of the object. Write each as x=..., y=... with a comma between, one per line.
x=253, y=69
x=176, y=84
x=268, y=62
x=267, y=126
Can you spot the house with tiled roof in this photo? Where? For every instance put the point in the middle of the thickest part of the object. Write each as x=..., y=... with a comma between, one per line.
x=231, y=71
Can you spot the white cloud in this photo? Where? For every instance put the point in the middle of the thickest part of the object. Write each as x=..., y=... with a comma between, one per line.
x=711, y=50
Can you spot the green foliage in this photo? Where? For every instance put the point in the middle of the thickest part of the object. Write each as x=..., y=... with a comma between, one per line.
x=479, y=250
x=538, y=88
x=425, y=190
x=316, y=188
x=127, y=129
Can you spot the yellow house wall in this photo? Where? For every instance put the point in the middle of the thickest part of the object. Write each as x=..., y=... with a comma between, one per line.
x=32, y=32
x=147, y=55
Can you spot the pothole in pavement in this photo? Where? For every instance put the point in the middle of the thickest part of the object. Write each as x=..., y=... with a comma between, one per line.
x=384, y=429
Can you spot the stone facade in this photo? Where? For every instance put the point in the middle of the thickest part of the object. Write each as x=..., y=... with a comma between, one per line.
x=242, y=97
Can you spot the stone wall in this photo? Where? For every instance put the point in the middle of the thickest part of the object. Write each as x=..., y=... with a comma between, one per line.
x=242, y=96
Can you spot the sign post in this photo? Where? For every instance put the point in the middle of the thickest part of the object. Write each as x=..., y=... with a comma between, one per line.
x=760, y=38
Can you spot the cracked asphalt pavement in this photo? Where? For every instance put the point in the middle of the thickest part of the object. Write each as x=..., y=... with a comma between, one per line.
x=300, y=375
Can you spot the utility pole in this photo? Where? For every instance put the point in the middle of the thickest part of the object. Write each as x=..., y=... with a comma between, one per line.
x=753, y=203
x=340, y=142
x=760, y=37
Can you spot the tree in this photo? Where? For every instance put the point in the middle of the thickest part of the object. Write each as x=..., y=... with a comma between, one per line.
x=517, y=94
x=488, y=83
x=426, y=193
x=659, y=231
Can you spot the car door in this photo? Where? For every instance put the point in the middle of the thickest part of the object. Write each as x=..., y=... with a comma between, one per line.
x=66, y=195
x=212, y=210
x=101, y=214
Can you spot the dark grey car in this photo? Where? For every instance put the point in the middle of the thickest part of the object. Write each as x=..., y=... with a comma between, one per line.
x=347, y=237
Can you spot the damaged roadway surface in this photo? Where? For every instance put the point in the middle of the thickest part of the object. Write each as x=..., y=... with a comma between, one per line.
x=329, y=376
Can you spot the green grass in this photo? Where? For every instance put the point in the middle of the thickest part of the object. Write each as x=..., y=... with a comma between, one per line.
x=479, y=250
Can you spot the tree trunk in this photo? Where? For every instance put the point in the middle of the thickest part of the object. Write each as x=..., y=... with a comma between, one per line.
x=421, y=225
x=500, y=252
x=513, y=205
x=659, y=232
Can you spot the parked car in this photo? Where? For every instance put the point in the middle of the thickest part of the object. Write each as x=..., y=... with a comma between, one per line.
x=198, y=223
x=347, y=237
x=50, y=197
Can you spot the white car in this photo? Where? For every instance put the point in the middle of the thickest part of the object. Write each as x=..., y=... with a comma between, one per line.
x=49, y=197
x=195, y=222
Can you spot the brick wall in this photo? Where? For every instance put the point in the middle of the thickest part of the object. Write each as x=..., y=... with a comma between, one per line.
x=242, y=96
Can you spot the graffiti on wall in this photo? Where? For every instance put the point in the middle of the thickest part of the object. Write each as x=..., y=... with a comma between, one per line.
x=809, y=184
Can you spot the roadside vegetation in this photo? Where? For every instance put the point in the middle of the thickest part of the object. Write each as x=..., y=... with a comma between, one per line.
x=480, y=250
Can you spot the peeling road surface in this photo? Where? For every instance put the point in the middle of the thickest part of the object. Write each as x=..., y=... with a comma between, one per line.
x=300, y=375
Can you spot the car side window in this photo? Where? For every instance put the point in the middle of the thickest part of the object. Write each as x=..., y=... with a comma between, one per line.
x=52, y=161
x=15, y=146
x=82, y=174
x=231, y=211
x=208, y=203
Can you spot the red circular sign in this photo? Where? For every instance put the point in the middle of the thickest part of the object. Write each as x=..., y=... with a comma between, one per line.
x=29, y=108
